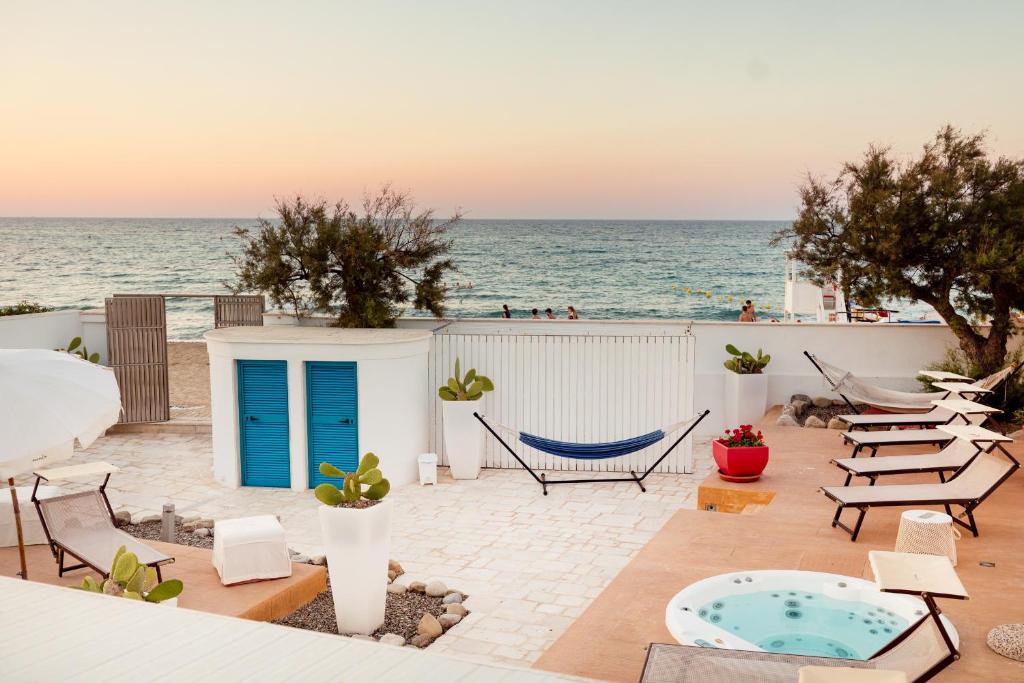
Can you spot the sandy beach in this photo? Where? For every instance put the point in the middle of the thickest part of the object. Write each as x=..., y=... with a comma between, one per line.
x=188, y=373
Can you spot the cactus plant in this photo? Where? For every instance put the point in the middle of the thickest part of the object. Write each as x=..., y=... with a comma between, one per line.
x=468, y=388
x=352, y=490
x=744, y=363
x=129, y=579
x=83, y=352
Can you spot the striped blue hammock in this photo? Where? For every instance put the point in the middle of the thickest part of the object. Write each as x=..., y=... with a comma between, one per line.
x=592, y=451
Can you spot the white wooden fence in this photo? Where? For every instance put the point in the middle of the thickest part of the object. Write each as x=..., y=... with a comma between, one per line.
x=590, y=387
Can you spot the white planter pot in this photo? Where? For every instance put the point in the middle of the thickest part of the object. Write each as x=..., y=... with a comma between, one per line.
x=357, y=542
x=746, y=398
x=463, y=438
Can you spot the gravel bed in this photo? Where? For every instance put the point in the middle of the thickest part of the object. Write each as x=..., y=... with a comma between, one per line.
x=150, y=531
x=824, y=414
x=402, y=613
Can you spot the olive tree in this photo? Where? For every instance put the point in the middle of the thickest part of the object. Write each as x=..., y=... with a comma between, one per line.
x=945, y=228
x=360, y=268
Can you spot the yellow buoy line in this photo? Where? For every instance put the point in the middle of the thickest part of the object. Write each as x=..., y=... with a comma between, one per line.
x=708, y=294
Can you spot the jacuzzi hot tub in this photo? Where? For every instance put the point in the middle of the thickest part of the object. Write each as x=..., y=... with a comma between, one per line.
x=796, y=612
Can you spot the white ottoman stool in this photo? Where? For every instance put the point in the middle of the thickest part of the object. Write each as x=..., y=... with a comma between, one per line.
x=250, y=549
x=31, y=527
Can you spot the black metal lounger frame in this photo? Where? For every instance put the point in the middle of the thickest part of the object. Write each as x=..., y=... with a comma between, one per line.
x=638, y=480
x=968, y=504
x=59, y=550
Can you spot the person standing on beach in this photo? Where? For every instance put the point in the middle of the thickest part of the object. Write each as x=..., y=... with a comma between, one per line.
x=745, y=315
x=533, y=314
x=549, y=313
x=753, y=311
x=573, y=315
x=505, y=313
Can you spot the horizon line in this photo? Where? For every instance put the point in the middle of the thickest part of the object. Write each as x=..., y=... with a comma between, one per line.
x=463, y=218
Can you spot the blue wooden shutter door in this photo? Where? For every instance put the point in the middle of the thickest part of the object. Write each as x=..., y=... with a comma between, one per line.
x=333, y=418
x=263, y=417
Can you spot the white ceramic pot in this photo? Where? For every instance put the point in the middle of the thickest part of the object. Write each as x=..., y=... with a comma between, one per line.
x=357, y=542
x=746, y=399
x=463, y=438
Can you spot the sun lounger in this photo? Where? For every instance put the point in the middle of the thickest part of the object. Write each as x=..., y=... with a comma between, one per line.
x=952, y=457
x=944, y=411
x=920, y=652
x=970, y=391
x=968, y=488
x=82, y=524
x=872, y=441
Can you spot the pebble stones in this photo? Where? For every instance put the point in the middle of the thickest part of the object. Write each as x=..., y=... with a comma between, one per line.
x=417, y=587
x=815, y=422
x=787, y=421
x=822, y=402
x=436, y=589
x=836, y=423
x=452, y=598
x=397, y=588
x=421, y=641
x=202, y=532
x=122, y=517
x=449, y=620
x=1008, y=640
x=456, y=608
x=392, y=639
x=429, y=626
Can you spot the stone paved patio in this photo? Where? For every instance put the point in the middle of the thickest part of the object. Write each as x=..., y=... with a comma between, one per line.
x=531, y=564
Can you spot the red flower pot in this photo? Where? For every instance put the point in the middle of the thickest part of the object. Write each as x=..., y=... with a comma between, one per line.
x=741, y=464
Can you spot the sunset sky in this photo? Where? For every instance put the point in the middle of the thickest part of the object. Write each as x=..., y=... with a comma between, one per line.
x=516, y=109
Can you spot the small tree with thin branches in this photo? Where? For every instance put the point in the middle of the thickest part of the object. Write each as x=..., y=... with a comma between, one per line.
x=362, y=269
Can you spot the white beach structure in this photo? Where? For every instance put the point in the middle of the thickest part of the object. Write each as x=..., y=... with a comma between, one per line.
x=804, y=297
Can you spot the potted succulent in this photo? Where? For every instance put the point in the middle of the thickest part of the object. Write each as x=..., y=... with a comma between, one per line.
x=355, y=521
x=741, y=455
x=129, y=579
x=463, y=438
x=746, y=386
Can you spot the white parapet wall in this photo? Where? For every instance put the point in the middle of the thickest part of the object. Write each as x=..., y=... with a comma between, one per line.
x=54, y=329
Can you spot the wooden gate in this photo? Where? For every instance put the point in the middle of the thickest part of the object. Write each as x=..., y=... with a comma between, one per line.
x=238, y=311
x=137, y=348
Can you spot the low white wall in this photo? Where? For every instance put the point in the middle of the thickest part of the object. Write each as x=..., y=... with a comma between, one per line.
x=54, y=329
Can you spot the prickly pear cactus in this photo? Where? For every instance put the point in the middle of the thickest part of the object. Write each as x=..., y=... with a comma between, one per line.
x=352, y=490
x=743, y=363
x=129, y=579
x=468, y=388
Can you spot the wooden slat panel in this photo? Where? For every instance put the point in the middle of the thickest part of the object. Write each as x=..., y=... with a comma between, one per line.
x=137, y=351
x=244, y=310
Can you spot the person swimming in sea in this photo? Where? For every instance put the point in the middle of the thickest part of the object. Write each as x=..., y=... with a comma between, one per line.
x=751, y=310
x=745, y=315
x=550, y=314
x=505, y=313
x=573, y=315
x=533, y=314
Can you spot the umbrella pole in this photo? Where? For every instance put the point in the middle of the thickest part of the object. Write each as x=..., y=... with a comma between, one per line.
x=17, y=525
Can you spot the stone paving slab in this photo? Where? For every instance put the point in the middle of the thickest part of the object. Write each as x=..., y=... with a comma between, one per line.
x=530, y=563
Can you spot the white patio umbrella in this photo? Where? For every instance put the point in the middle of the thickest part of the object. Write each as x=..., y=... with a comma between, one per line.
x=48, y=401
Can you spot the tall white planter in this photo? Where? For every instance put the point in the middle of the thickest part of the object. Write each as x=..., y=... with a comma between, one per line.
x=746, y=398
x=463, y=438
x=358, y=542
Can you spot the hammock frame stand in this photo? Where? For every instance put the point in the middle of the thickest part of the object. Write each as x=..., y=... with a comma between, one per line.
x=817, y=367
x=543, y=480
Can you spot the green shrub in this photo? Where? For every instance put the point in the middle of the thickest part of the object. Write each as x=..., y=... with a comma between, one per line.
x=24, y=307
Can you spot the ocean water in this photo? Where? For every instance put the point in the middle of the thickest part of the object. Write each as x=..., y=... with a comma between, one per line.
x=606, y=269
